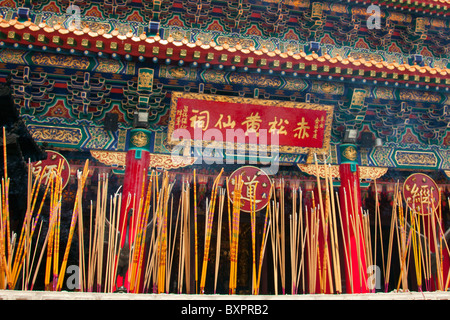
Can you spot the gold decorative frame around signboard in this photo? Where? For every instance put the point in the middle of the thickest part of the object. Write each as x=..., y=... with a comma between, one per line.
x=269, y=103
x=164, y=161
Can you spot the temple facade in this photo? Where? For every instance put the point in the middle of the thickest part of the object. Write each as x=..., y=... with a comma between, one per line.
x=359, y=88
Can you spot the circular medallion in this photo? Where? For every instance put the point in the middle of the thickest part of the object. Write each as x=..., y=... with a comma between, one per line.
x=421, y=193
x=350, y=153
x=139, y=139
x=50, y=166
x=256, y=185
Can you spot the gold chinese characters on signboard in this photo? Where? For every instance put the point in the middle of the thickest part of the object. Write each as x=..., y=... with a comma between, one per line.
x=243, y=123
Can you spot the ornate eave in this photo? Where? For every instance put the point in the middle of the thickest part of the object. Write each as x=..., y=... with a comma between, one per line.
x=434, y=7
x=130, y=46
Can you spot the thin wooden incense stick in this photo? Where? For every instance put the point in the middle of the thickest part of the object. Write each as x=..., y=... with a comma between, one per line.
x=195, y=233
x=391, y=237
x=77, y=209
x=235, y=234
x=219, y=236
x=264, y=240
x=208, y=233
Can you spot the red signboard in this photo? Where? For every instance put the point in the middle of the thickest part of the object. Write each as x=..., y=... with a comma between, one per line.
x=421, y=193
x=50, y=165
x=300, y=126
x=256, y=187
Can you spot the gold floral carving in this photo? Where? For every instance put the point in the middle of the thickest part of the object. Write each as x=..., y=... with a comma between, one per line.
x=163, y=161
x=12, y=56
x=269, y=103
x=327, y=87
x=145, y=78
x=71, y=136
x=371, y=173
x=419, y=96
x=251, y=80
x=109, y=66
x=447, y=172
x=110, y=158
x=54, y=60
x=411, y=158
x=365, y=173
x=312, y=170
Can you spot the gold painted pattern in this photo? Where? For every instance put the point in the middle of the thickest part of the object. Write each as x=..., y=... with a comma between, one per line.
x=109, y=66
x=12, y=56
x=71, y=136
x=163, y=161
x=350, y=153
x=8, y=24
x=410, y=158
x=139, y=139
x=60, y=61
x=365, y=173
x=419, y=96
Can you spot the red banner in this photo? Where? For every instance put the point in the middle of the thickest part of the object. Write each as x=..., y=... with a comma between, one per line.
x=299, y=125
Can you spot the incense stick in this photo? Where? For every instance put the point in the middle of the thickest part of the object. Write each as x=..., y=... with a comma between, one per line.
x=77, y=209
x=391, y=234
x=208, y=232
x=219, y=233
x=235, y=234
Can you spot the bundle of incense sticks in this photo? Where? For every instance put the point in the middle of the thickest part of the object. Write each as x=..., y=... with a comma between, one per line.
x=16, y=259
x=265, y=234
x=324, y=218
x=140, y=231
x=391, y=237
x=378, y=226
x=77, y=210
x=234, y=227
x=333, y=229
x=253, y=235
x=219, y=234
x=311, y=238
x=113, y=227
x=195, y=233
x=402, y=244
x=171, y=244
x=282, y=226
x=28, y=228
x=208, y=232
x=166, y=189
x=417, y=247
x=185, y=243
x=278, y=237
x=5, y=240
x=420, y=229
x=294, y=228
x=155, y=231
x=96, y=239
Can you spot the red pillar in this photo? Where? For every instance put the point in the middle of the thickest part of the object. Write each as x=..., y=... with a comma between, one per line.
x=135, y=181
x=350, y=203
